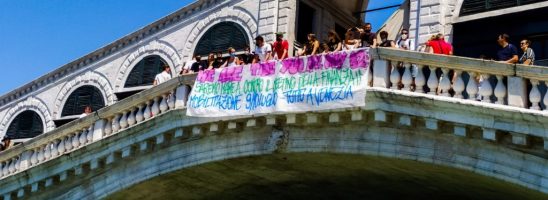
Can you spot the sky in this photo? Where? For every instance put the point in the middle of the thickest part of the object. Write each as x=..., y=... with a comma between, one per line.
x=37, y=36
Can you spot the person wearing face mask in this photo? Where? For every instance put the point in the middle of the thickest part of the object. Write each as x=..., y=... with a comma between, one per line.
x=280, y=47
x=368, y=38
x=404, y=42
x=232, y=59
x=385, y=42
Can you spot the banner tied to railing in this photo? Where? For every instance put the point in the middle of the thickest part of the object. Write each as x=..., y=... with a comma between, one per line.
x=299, y=84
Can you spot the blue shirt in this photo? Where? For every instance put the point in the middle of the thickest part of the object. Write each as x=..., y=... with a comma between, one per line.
x=507, y=52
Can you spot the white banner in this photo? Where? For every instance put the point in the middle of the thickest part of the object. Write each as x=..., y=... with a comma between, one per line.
x=299, y=84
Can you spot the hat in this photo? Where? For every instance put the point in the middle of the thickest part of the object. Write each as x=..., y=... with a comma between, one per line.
x=280, y=33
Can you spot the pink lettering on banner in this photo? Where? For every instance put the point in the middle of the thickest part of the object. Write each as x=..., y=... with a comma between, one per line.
x=231, y=74
x=335, y=60
x=263, y=69
x=314, y=63
x=207, y=75
x=292, y=65
x=359, y=59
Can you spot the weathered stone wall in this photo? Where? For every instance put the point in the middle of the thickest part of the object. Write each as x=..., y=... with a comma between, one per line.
x=434, y=16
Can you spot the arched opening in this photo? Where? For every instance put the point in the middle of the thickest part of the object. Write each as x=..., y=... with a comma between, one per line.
x=220, y=37
x=78, y=100
x=142, y=75
x=27, y=124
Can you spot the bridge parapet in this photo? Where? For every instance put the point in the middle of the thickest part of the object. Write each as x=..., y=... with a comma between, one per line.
x=515, y=128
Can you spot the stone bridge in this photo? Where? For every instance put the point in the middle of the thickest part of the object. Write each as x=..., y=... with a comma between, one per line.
x=503, y=136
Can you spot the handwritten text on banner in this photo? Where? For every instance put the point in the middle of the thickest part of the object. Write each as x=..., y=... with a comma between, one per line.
x=330, y=81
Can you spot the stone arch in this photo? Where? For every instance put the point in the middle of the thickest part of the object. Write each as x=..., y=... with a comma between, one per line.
x=243, y=19
x=89, y=78
x=155, y=47
x=32, y=104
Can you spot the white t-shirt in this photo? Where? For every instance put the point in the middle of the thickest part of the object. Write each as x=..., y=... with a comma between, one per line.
x=187, y=66
x=262, y=51
x=162, y=77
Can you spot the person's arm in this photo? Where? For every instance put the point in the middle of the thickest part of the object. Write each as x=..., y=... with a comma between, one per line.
x=374, y=41
x=411, y=45
x=268, y=53
x=392, y=43
x=315, y=48
x=513, y=60
x=155, y=83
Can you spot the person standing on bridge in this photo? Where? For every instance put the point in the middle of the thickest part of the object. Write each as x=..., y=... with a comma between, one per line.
x=164, y=76
x=528, y=57
x=508, y=53
x=280, y=47
x=262, y=51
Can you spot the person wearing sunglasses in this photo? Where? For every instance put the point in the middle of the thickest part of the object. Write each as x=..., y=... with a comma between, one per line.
x=404, y=42
x=528, y=57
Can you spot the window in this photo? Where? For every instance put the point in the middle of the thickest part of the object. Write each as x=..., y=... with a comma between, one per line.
x=305, y=22
x=221, y=36
x=144, y=72
x=470, y=7
x=27, y=124
x=82, y=97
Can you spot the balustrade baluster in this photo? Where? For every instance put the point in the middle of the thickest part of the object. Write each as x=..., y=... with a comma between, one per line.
x=68, y=144
x=139, y=114
x=432, y=81
x=123, y=120
x=445, y=83
x=61, y=147
x=75, y=140
x=40, y=154
x=419, y=79
x=486, y=90
x=407, y=79
x=458, y=85
x=163, y=103
x=47, y=151
x=34, y=157
x=156, y=107
x=395, y=77
x=545, y=99
x=370, y=76
x=500, y=90
x=4, y=168
x=534, y=95
x=108, y=126
x=116, y=123
x=472, y=86
x=11, y=169
x=89, y=134
x=147, y=114
x=131, y=117
x=82, y=139
x=171, y=100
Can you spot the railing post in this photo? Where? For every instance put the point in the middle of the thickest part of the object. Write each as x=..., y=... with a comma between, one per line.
x=517, y=92
x=381, y=74
x=181, y=96
x=98, y=129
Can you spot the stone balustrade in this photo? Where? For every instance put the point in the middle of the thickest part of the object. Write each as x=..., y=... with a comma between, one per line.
x=459, y=77
x=450, y=105
x=98, y=125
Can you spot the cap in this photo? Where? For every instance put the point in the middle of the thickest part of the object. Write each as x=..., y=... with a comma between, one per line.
x=280, y=33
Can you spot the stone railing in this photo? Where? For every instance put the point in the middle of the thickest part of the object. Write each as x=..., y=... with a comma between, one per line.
x=473, y=79
x=98, y=125
x=508, y=87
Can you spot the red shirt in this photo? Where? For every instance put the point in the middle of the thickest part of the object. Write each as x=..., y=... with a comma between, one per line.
x=279, y=48
x=440, y=47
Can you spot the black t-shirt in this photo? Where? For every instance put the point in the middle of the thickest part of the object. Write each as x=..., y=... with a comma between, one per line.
x=332, y=44
x=367, y=38
x=507, y=52
x=387, y=43
x=196, y=67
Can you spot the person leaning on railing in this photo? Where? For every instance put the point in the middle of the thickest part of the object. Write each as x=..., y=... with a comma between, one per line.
x=528, y=57
x=163, y=76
